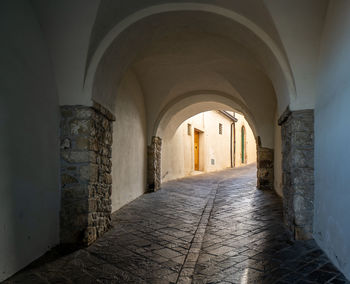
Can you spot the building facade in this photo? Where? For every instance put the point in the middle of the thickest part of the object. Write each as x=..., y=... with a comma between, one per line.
x=209, y=141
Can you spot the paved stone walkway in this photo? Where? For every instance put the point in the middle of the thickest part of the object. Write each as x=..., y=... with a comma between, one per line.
x=211, y=228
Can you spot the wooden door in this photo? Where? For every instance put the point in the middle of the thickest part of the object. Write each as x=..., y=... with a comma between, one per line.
x=196, y=150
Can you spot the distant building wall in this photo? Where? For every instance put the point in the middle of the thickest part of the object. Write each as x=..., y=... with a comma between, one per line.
x=214, y=146
x=250, y=144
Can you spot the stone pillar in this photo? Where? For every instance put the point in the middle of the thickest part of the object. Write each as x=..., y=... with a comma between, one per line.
x=154, y=164
x=265, y=171
x=86, y=140
x=298, y=171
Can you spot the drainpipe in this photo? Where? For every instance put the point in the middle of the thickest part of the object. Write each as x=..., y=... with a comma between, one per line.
x=233, y=145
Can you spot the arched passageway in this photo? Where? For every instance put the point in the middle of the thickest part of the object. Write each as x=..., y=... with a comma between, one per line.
x=156, y=65
x=205, y=142
x=117, y=68
x=113, y=70
x=170, y=156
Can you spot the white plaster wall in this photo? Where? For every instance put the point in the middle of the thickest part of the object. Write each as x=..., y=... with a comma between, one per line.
x=29, y=141
x=217, y=145
x=174, y=150
x=250, y=142
x=332, y=139
x=67, y=26
x=178, y=146
x=299, y=24
x=177, y=149
x=129, y=148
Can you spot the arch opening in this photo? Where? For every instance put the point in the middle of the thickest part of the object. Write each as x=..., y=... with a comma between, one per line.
x=266, y=49
x=165, y=68
x=200, y=133
x=164, y=62
x=206, y=142
x=190, y=104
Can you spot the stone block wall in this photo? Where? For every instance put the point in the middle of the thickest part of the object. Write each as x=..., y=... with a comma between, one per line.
x=86, y=182
x=298, y=171
x=154, y=164
x=265, y=171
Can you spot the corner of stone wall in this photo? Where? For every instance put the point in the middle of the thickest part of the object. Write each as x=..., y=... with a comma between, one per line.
x=298, y=171
x=154, y=164
x=265, y=168
x=86, y=182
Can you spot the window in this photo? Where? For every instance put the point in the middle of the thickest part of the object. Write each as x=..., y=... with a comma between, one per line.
x=220, y=128
x=189, y=129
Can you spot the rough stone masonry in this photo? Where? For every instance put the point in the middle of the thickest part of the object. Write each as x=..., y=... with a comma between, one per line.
x=265, y=168
x=298, y=171
x=86, y=140
x=154, y=164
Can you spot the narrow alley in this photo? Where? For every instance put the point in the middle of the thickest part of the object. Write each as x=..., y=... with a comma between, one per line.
x=209, y=228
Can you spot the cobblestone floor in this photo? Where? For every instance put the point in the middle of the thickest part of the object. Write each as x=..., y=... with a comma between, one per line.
x=211, y=228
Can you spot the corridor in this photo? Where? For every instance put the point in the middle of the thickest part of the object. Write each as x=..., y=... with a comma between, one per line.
x=210, y=228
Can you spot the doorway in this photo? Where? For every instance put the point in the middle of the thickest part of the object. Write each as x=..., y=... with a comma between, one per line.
x=196, y=150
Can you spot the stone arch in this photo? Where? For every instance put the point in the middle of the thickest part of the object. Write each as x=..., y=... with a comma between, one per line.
x=202, y=100
x=190, y=104
x=287, y=90
x=108, y=46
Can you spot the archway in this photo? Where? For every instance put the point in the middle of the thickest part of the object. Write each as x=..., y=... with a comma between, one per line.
x=270, y=52
x=119, y=64
x=188, y=105
x=178, y=57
